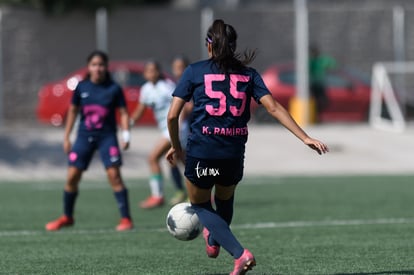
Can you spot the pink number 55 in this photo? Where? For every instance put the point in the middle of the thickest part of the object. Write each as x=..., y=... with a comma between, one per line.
x=234, y=79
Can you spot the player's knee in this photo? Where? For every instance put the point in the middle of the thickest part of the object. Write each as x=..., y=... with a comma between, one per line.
x=72, y=185
x=114, y=177
x=74, y=176
x=225, y=193
x=152, y=159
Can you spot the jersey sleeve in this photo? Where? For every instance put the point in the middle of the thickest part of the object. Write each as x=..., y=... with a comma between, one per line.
x=143, y=97
x=76, y=97
x=184, y=89
x=259, y=88
x=120, y=101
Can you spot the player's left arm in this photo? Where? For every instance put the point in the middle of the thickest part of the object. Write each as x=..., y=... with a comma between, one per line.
x=124, y=119
x=280, y=113
x=124, y=123
x=175, y=151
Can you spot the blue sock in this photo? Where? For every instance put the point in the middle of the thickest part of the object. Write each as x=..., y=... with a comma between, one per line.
x=177, y=178
x=224, y=208
x=69, y=199
x=123, y=203
x=219, y=229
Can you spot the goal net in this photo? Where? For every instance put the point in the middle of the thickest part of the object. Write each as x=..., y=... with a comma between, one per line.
x=392, y=95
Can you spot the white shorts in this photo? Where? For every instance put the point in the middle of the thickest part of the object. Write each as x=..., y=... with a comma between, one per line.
x=184, y=132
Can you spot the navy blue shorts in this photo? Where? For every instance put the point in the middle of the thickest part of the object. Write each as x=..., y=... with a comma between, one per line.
x=205, y=173
x=85, y=146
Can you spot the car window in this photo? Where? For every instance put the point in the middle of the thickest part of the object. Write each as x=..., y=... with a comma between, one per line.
x=287, y=77
x=332, y=80
x=361, y=76
x=337, y=81
x=127, y=78
x=136, y=79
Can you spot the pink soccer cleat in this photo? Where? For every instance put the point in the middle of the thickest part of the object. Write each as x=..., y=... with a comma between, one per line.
x=59, y=223
x=125, y=224
x=212, y=250
x=152, y=202
x=243, y=264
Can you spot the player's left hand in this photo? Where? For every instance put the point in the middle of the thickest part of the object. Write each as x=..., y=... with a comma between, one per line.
x=124, y=145
x=173, y=155
x=318, y=146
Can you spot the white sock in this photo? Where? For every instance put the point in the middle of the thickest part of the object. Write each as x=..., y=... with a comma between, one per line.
x=156, y=186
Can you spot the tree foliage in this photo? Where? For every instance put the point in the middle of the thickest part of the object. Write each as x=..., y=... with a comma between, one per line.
x=63, y=6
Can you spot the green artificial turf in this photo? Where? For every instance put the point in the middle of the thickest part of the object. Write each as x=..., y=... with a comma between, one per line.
x=293, y=225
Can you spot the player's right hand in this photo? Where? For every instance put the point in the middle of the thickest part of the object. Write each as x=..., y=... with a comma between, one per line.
x=67, y=146
x=125, y=145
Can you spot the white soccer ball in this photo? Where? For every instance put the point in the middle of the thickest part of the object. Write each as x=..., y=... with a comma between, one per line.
x=183, y=223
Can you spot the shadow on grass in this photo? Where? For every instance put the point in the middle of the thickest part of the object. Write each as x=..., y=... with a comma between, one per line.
x=15, y=153
x=379, y=272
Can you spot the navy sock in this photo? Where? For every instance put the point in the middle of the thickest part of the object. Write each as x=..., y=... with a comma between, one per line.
x=177, y=178
x=218, y=228
x=224, y=208
x=69, y=199
x=123, y=203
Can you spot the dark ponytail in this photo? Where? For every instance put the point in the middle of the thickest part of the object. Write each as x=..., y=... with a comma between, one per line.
x=223, y=39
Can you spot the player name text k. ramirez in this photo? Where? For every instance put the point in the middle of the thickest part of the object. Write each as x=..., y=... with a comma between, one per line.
x=234, y=131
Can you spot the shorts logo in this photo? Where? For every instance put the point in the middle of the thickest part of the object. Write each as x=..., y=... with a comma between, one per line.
x=114, y=159
x=205, y=171
x=84, y=95
x=114, y=153
x=73, y=156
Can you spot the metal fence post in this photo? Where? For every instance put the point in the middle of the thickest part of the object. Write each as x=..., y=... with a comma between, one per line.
x=102, y=29
x=207, y=15
x=300, y=105
x=1, y=71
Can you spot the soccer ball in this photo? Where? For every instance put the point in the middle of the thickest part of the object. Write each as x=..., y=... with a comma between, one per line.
x=183, y=223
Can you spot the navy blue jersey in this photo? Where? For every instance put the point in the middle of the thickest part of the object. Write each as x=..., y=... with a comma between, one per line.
x=221, y=108
x=98, y=104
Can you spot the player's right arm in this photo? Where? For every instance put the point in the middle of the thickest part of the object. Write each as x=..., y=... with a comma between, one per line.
x=142, y=105
x=138, y=113
x=70, y=121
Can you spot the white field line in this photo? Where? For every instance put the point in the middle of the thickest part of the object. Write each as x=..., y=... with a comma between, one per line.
x=298, y=224
x=264, y=225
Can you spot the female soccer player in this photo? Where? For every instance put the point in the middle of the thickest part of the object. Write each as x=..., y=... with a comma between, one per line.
x=221, y=88
x=156, y=93
x=96, y=99
x=177, y=67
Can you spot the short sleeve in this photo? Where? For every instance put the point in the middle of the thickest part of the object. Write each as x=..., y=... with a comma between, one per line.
x=76, y=97
x=184, y=87
x=143, y=97
x=120, y=101
x=259, y=88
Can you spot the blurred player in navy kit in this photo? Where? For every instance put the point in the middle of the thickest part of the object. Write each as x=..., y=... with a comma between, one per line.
x=96, y=99
x=221, y=89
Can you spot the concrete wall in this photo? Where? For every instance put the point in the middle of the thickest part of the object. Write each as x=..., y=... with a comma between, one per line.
x=38, y=49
